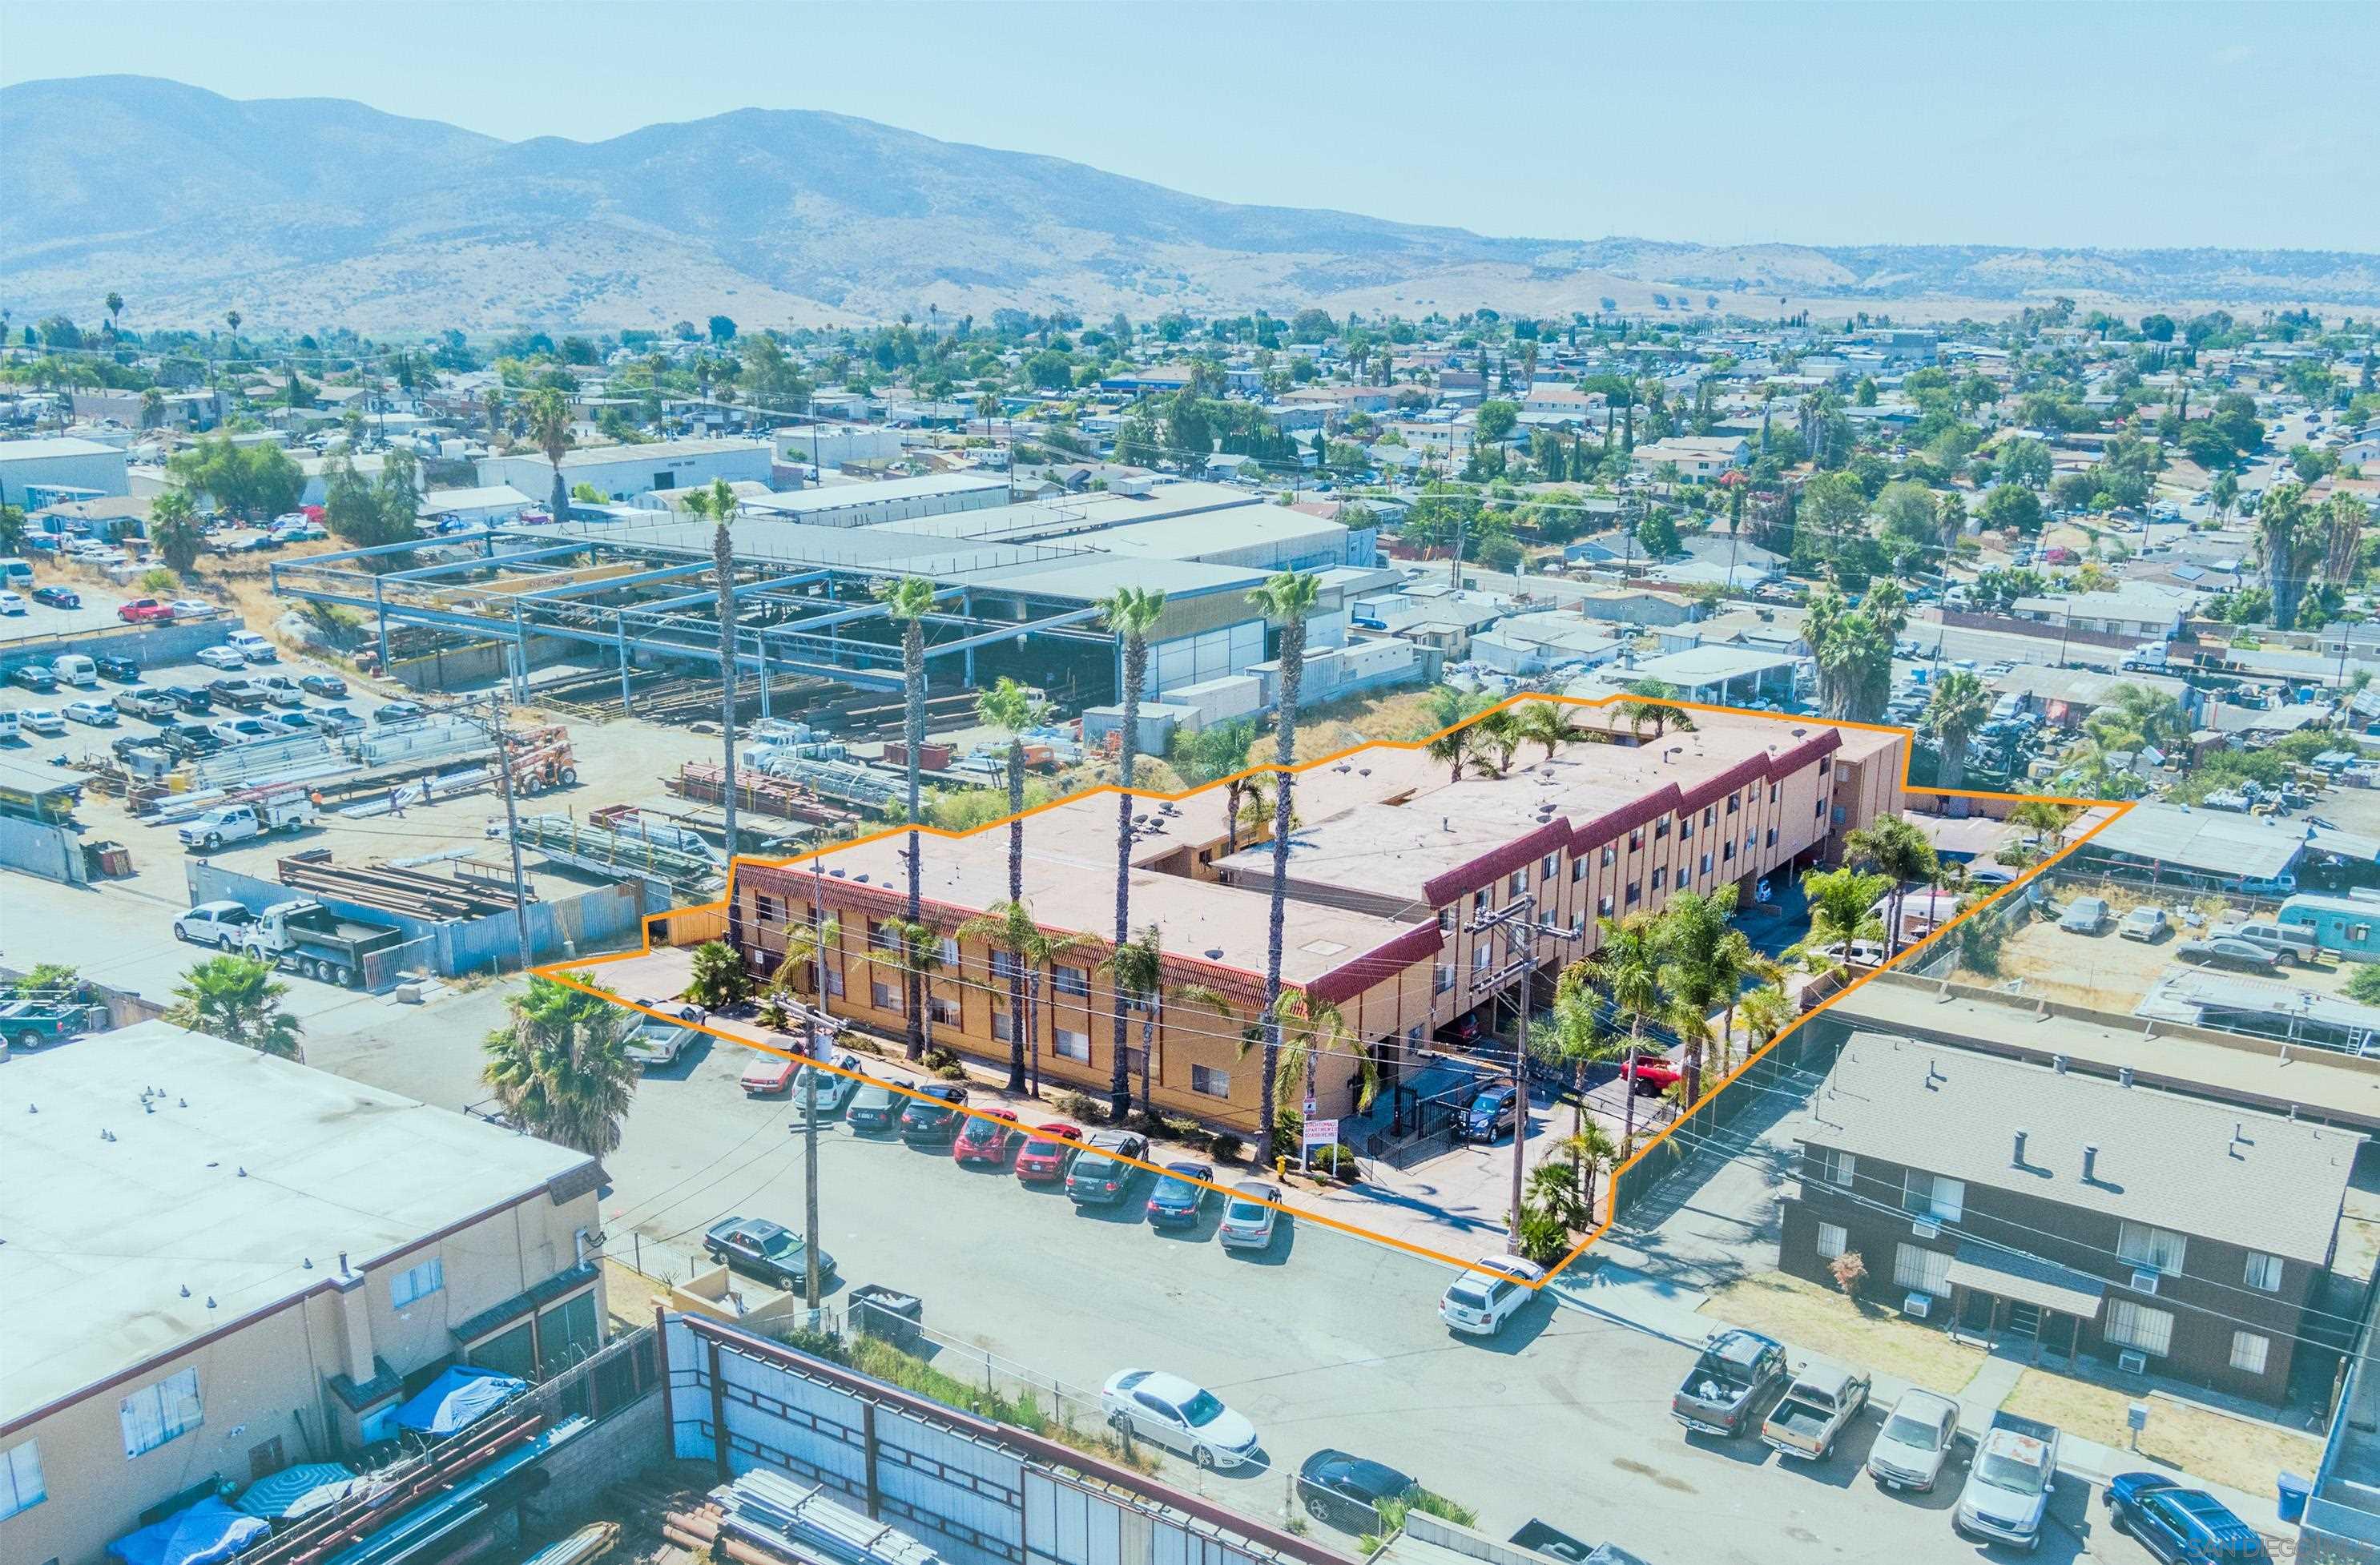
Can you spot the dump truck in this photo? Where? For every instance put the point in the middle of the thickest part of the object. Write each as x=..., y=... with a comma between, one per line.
x=305, y=937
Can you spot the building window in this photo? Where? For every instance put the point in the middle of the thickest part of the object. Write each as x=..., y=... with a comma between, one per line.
x=884, y=996
x=1710, y=814
x=1933, y=1196
x=1727, y=852
x=1772, y=837
x=1519, y=881
x=1774, y=792
x=20, y=1478
x=2137, y=1326
x=945, y=1013
x=834, y=982
x=764, y=908
x=1826, y=764
x=416, y=1282
x=1635, y=840
x=158, y=1413
x=1661, y=827
x=2358, y=934
x=1820, y=812
x=1005, y=965
x=2155, y=1249
x=1482, y=954
x=1076, y=981
x=1705, y=865
x=1577, y=870
x=1548, y=867
x=1921, y=1270
x=1824, y=1165
x=1004, y=1026
x=1603, y=907
x=1441, y=978
x=1208, y=1082
x=1660, y=879
x=1833, y=1240
x=1609, y=856
x=1070, y=1044
x=950, y=951
x=1479, y=904
x=2249, y=1351
x=883, y=936
x=2264, y=1271
x=1446, y=921
x=1733, y=803
x=1636, y=893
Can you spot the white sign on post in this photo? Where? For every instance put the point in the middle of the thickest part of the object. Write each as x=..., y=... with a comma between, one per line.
x=1322, y=1133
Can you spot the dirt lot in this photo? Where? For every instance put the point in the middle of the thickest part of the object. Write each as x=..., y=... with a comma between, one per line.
x=1795, y=1310
x=2241, y=1452
x=2113, y=974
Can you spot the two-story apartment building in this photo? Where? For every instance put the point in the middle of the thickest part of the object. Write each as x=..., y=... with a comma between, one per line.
x=1414, y=898
x=2145, y=1230
x=219, y=1263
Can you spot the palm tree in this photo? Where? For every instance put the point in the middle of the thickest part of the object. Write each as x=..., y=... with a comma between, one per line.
x=1311, y=1029
x=1958, y=707
x=1137, y=968
x=1842, y=909
x=548, y=416
x=907, y=602
x=916, y=951
x=115, y=302
x=1894, y=847
x=495, y=409
x=2049, y=820
x=236, y=999
x=1627, y=967
x=986, y=407
x=1547, y=724
x=560, y=1064
x=1015, y=710
x=718, y=505
x=1767, y=1012
x=1689, y=933
x=1131, y=612
x=1009, y=929
x=2345, y=517
x=805, y=947
x=1287, y=599
x=719, y=979
x=2291, y=547
x=1501, y=729
x=1574, y=1034
x=1450, y=746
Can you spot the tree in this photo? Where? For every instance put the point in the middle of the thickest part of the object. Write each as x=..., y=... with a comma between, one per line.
x=1547, y=724
x=2024, y=461
x=1573, y=1035
x=1841, y=910
x=1894, y=847
x=1009, y=929
x=2289, y=547
x=1014, y=709
x=719, y=505
x=907, y=601
x=236, y=999
x=2344, y=517
x=1655, y=703
x=560, y=1066
x=807, y=944
x=1311, y=1029
x=723, y=329
x=547, y=415
x=2011, y=508
x=1495, y=421
x=1287, y=598
x=1853, y=649
x=12, y=529
x=1135, y=971
x=1627, y=967
x=1700, y=970
x=719, y=980
x=1848, y=1270
x=1131, y=612
x=1960, y=704
x=174, y=529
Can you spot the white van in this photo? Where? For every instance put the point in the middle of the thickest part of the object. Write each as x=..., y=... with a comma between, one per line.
x=11, y=730
x=16, y=571
x=73, y=668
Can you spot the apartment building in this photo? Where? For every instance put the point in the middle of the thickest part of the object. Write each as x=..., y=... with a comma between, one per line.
x=219, y=1264
x=1414, y=899
x=2072, y=1214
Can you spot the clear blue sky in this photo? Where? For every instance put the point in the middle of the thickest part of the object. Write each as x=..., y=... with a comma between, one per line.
x=2078, y=123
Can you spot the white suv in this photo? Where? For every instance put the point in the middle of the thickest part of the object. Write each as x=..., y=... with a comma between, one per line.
x=1480, y=1301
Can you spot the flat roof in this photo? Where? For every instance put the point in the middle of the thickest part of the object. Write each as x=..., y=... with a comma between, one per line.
x=2211, y=842
x=846, y=496
x=649, y=451
x=54, y=446
x=1697, y=665
x=1089, y=518
x=222, y=1189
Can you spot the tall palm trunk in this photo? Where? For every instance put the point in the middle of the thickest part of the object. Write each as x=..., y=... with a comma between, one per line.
x=1033, y=1028
x=1147, y=1058
x=913, y=677
x=723, y=558
x=1293, y=676
x=1016, y=899
x=1628, y=1081
x=1135, y=673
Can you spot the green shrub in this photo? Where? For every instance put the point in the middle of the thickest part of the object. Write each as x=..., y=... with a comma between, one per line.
x=1224, y=1146
x=1080, y=1106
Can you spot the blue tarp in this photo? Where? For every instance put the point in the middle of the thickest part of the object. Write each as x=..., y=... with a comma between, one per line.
x=458, y=1398
x=207, y=1533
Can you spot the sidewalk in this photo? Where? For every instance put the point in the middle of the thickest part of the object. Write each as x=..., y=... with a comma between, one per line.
x=1673, y=1312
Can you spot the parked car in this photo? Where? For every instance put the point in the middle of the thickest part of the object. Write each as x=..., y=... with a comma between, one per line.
x=219, y=658
x=193, y=609
x=145, y=610
x=2224, y=952
x=1814, y=1413
x=1251, y=1217
x=1179, y=1414
x=138, y=700
x=191, y=699
x=330, y=687
x=1177, y=1200
x=1914, y=1442
x=767, y=1075
x=2290, y=944
x=1343, y=1491
x=289, y=722
x=872, y=1108
x=1555, y=1544
x=2149, y=925
x=769, y=1251
x=396, y=711
x=1478, y=1302
x=252, y=646
x=2180, y=1527
x=1044, y=1159
x=36, y=677
x=41, y=720
x=117, y=670
x=932, y=1119
x=657, y=1041
x=240, y=695
x=1099, y=1176
x=56, y=597
x=1737, y=1369
x=2008, y=1486
x=2085, y=915
x=92, y=714
x=1490, y=1114
x=1649, y=1075
x=984, y=1138
x=242, y=730
x=333, y=721
x=12, y=603
x=835, y=1086
x=220, y=923
x=281, y=690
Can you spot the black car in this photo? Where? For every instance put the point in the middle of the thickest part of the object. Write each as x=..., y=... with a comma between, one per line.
x=769, y=1251
x=1343, y=1491
x=396, y=711
x=932, y=1120
x=1101, y=1175
x=59, y=597
x=240, y=695
x=330, y=687
x=190, y=699
x=873, y=1107
x=37, y=677
x=124, y=671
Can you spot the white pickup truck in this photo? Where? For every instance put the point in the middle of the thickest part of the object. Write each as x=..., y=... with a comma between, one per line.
x=1816, y=1409
x=655, y=1040
x=236, y=823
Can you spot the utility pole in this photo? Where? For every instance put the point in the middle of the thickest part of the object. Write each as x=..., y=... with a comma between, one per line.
x=512, y=825
x=817, y=1051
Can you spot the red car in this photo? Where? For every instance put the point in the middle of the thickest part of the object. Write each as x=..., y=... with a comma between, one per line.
x=1651, y=1075
x=984, y=1140
x=1043, y=1159
x=144, y=611
x=767, y=1073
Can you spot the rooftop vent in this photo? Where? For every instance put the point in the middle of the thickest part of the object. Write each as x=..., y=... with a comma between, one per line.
x=2017, y=1158
x=2089, y=1165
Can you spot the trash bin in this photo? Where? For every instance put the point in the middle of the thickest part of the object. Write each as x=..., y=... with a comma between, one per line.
x=887, y=1313
x=2294, y=1493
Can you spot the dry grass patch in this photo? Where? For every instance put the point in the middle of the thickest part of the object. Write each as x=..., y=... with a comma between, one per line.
x=2241, y=1452
x=1857, y=1335
x=630, y=1296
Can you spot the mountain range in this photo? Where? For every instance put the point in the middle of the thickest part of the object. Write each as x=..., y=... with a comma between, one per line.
x=307, y=212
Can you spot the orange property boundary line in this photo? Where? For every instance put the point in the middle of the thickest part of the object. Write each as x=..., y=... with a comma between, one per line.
x=568, y=973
